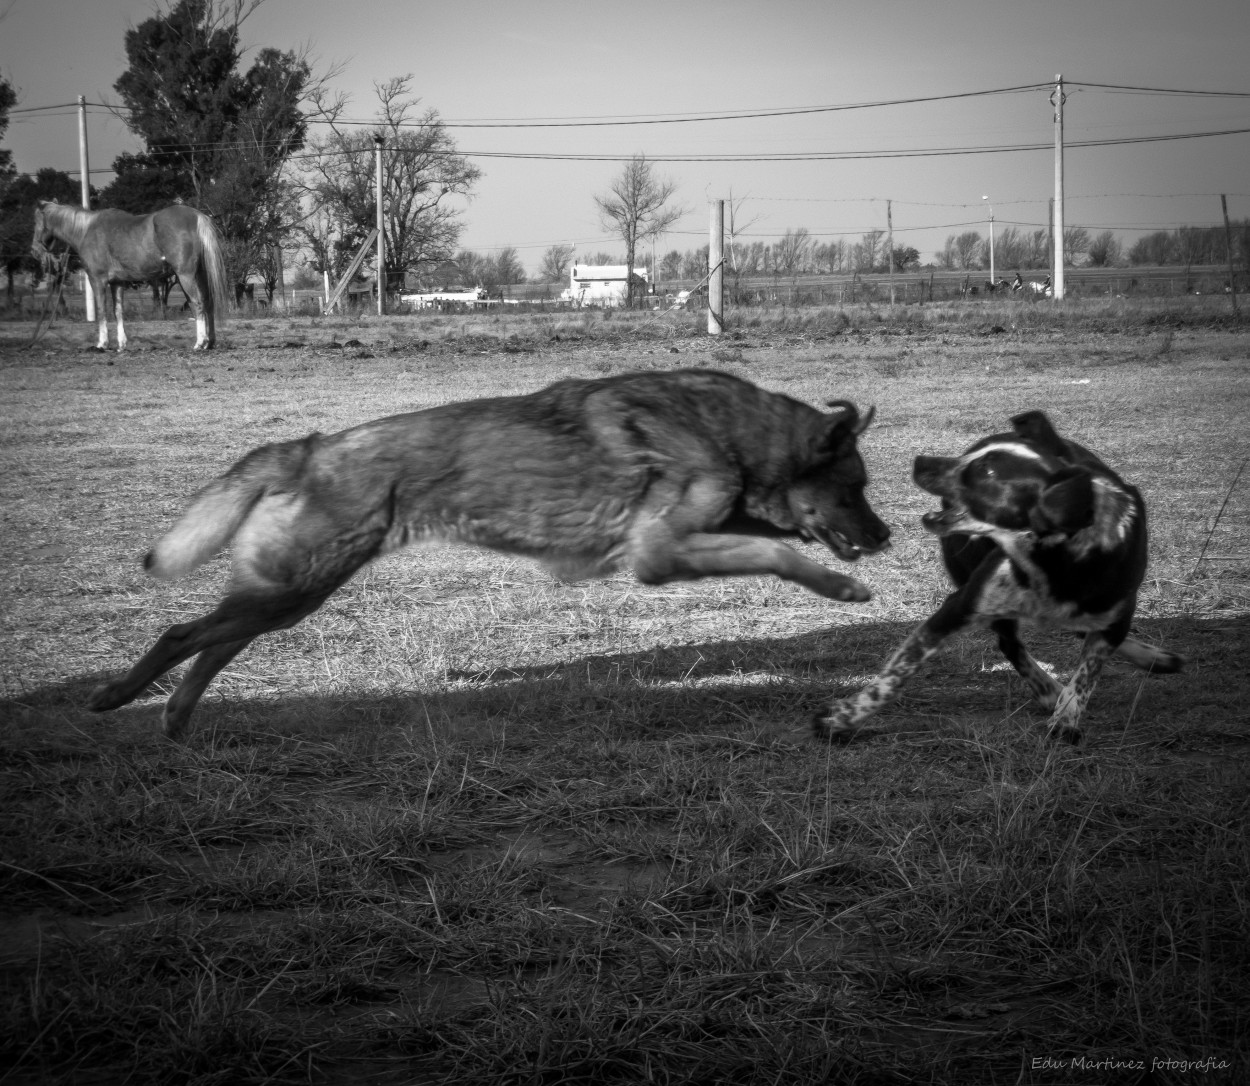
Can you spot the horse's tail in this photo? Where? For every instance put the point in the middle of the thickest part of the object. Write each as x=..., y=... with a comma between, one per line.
x=213, y=258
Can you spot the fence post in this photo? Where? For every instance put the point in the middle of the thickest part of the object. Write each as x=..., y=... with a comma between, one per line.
x=1228, y=240
x=716, y=258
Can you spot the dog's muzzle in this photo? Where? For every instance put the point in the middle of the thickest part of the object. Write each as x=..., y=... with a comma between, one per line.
x=842, y=546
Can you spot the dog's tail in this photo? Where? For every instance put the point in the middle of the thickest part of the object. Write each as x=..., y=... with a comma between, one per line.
x=1150, y=658
x=219, y=509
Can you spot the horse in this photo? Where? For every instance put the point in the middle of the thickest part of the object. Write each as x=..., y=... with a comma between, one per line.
x=1042, y=288
x=117, y=248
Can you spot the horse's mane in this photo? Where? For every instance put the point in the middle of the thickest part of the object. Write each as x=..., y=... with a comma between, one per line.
x=70, y=222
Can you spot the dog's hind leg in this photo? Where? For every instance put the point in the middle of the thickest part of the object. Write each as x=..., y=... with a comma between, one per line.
x=1046, y=688
x=287, y=563
x=1065, y=722
x=220, y=635
x=184, y=699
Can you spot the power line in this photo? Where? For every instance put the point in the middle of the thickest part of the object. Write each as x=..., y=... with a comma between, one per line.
x=739, y=115
x=847, y=156
x=1161, y=90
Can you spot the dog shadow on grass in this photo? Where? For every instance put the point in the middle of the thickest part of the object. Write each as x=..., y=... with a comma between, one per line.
x=768, y=685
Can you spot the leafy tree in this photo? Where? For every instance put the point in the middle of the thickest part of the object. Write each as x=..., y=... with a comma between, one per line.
x=1104, y=250
x=906, y=258
x=141, y=183
x=8, y=99
x=637, y=208
x=421, y=172
x=215, y=135
x=1155, y=248
x=670, y=264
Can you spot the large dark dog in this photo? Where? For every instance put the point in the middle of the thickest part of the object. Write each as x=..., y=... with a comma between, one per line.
x=1032, y=526
x=673, y=475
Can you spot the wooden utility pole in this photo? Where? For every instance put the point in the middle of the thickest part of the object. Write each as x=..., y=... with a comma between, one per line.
x=889, y=243
x=85, y=189
x=1228, y=241
x=716, y=268
x=378, y=142
x=1056, y=275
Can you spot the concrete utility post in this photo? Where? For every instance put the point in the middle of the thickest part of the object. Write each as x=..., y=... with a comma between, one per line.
x=1056, y=275
x=378, y=142
x=85, y=172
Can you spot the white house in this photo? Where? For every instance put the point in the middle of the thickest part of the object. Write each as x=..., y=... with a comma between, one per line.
x=600, y=284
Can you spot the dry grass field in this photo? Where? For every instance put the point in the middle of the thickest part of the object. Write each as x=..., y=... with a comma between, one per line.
x=468, y=825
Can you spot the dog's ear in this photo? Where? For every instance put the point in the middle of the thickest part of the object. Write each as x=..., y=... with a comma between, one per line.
x=1035, y=427
x=845, y=421
x=1066, y=504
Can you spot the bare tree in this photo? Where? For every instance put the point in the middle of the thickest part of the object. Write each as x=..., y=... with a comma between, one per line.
x=1075, y=243
x=555, y=264
x=694, y=264
x=831, y=257
x=793, y=252
x=637, y=208
x=962, y=250
x=738, y=253
x=421, y=172
x=868, y=254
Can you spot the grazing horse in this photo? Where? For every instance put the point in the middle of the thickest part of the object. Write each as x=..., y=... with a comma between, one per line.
x=117, y=248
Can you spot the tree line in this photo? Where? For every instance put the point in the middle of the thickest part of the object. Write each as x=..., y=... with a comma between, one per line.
x=236, y=140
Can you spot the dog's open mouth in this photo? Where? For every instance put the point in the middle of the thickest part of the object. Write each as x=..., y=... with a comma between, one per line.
x=839, y=544
x=944, y=521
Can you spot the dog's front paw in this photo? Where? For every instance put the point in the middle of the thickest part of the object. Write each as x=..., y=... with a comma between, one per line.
x=106, y=696
x=836, y=725
x=844, y=589
x=1062, y=731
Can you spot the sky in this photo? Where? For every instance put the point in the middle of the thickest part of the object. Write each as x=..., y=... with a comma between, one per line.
x=681, y=67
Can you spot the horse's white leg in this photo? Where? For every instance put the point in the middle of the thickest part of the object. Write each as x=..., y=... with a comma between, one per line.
x=201, y=330
x=120, y=302
x=103, y=296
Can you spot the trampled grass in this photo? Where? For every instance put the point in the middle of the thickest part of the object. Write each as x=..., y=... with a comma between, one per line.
x=469, y=825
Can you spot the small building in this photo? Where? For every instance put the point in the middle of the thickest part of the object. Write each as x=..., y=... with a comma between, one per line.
x=601, y=284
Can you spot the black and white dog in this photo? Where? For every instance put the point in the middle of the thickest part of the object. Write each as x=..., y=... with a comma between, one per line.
x=1031, y=526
